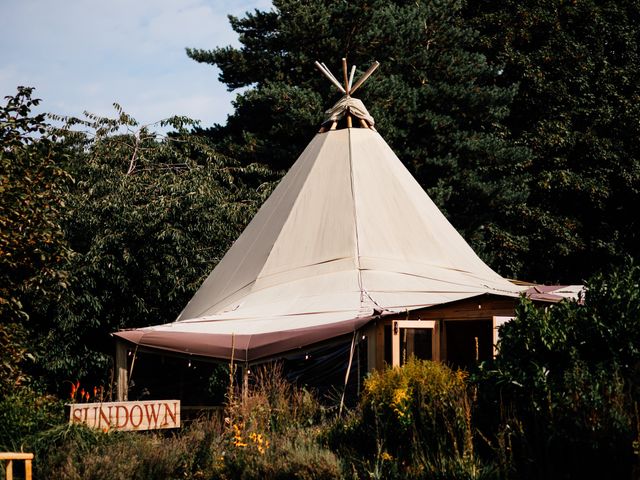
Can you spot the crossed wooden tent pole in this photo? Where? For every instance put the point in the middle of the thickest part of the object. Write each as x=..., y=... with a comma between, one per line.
x=348, y=88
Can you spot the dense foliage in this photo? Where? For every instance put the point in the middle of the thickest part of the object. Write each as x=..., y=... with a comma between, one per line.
x=411, y=422
x=130, y=239
x=269, y=433
x=520, y=119
x=577, y=65
x=33, y=253
x=567, y=381
x=148, y=218
x=435, y=100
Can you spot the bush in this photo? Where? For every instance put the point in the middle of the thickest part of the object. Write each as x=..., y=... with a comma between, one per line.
x=273, y=403
x=270, y=432
x=412, y=422
x=295, y=455
x=23, y=414
x=566, y=384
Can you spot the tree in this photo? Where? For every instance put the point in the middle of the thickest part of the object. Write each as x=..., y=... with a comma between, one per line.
x=148, y=218
x=435, y=100
x=32, y=247
x=33, y=250
x=567, y=380
x=578, y=69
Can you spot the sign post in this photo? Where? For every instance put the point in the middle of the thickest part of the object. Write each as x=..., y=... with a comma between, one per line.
x=124, y=416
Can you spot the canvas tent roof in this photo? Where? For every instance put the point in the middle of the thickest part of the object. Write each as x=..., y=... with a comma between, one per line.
x=348, y=234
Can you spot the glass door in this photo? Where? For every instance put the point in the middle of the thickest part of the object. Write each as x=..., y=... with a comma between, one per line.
x=414, y=338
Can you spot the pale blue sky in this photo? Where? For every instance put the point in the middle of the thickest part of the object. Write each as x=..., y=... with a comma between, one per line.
x=87, y=54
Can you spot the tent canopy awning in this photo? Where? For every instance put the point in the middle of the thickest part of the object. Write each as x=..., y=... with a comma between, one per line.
x=245, y=347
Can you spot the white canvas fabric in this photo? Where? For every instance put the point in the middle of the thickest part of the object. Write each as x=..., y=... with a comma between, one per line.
x=347, y=234
x=348, y=105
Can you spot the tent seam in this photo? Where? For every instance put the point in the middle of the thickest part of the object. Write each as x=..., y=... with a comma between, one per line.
x=355, y=220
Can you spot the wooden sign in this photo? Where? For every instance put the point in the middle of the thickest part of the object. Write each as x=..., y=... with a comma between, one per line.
x=147, y=415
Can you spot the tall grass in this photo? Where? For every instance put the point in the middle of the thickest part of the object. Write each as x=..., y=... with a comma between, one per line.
x=267, y=432
x=75, y=452
x=414, y=422
x=272, y=432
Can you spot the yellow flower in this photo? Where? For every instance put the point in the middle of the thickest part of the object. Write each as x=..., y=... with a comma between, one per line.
x=400, y=395
x=237, y=436
x=386, y=457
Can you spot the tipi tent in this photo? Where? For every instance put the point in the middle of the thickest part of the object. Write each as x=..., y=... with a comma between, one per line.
x=347, y=236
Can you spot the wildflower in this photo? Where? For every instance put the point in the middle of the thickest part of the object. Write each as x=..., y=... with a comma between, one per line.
x=237, y=436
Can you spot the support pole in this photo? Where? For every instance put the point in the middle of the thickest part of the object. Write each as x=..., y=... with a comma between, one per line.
x=366, y=75
x=346, y=376
x=353, y=71
x=122, y=375
x=331, y=78
x=245, y=382
x=345, y=72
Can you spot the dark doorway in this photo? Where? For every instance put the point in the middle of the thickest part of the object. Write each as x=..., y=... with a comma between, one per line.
x=468, y=342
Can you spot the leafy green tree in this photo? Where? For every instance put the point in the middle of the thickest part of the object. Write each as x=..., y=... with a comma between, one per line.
x=32, y=247
x=148, y=218
x=435, y=100
x=33, y=251
x=567, y=380
x=578, y=69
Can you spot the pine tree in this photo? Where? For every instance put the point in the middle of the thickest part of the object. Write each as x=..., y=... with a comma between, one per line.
x=578, y=68
x=435, y=101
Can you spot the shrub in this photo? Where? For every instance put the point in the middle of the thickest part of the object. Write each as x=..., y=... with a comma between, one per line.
x=23, y=414
x=294, y=455
x=272, y=403
x=566, y=384
x=412, y=422
x=270, y=432
x=72, y=451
